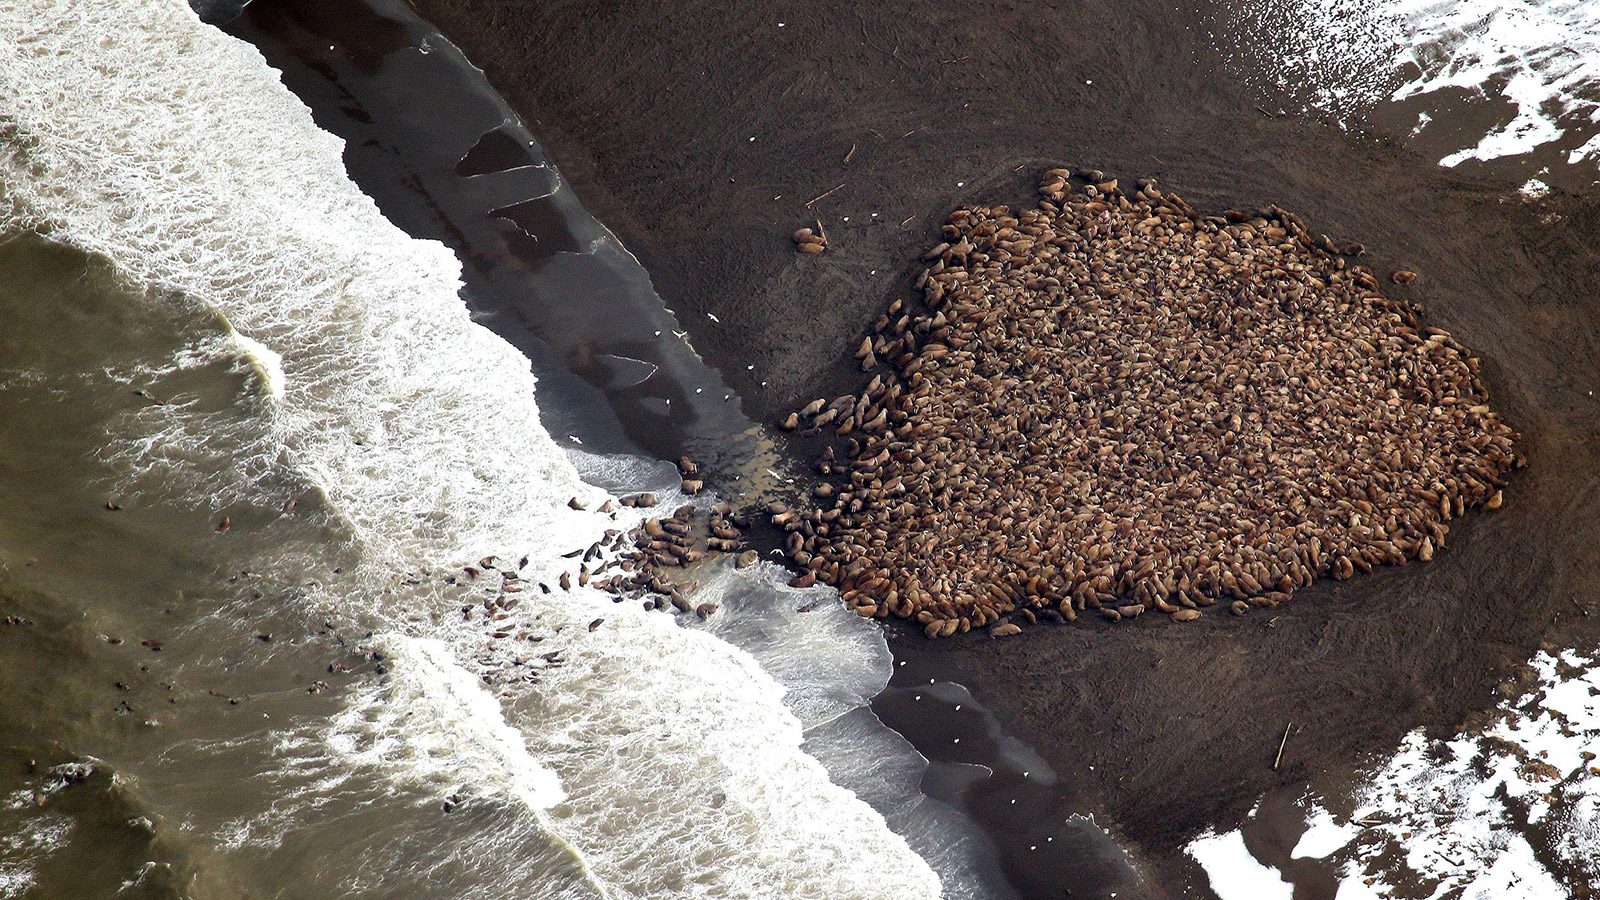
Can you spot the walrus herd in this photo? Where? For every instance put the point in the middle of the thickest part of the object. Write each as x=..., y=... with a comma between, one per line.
x=643, y=556
x=1112, y=402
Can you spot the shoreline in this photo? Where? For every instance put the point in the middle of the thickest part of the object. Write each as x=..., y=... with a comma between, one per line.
x=409, y=164
x=701, y=136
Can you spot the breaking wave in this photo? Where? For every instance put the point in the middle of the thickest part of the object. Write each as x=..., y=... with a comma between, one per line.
x=643, y=759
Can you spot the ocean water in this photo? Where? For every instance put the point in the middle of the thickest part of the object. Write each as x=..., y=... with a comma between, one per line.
x=250, y=441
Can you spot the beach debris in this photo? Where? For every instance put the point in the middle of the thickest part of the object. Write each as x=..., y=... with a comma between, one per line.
x=1112, y=401
x=824, y=194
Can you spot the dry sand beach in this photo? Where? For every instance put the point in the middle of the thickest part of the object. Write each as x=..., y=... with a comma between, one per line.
x=706, y=133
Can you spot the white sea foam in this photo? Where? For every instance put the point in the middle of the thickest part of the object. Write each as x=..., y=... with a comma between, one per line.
x=23, y=848
x=131, y=130
x=435, y=717
x=268, y=363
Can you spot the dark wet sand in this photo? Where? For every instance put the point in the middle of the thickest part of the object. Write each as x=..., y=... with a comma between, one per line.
x=905, y=110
